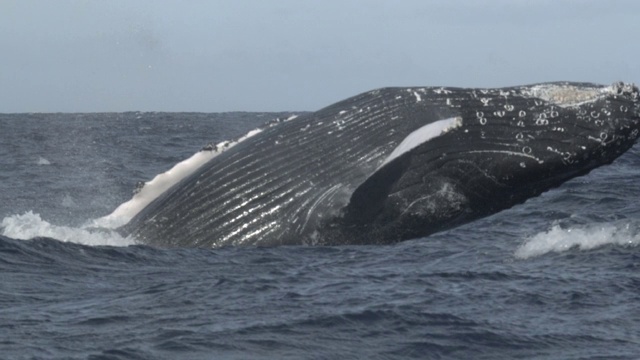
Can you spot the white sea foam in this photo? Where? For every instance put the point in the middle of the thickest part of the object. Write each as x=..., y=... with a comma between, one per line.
x=30, y=225
x=558, y=239
x=162, y=182
x=43, y=161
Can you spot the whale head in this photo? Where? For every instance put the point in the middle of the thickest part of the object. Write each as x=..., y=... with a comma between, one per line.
x=505, y=146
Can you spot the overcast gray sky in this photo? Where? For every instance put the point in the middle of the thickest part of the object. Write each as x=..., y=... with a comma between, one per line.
x=271, y=55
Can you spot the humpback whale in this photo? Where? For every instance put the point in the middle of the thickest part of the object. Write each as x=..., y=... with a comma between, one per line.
x=393, y=164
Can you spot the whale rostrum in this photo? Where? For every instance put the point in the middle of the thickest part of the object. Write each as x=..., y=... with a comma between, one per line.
x=393, y=164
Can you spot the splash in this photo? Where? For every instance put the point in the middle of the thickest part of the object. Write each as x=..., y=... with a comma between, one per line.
x=558, y=239
x=30, y=225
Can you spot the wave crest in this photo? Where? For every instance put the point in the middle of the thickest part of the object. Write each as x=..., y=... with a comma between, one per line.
x=30, y=225
x=559, y=239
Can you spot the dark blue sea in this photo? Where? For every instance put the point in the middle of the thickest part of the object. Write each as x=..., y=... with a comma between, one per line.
x=555, y=278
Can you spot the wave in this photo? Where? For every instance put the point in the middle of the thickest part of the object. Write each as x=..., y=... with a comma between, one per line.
x=30, y=225
x=559, y=239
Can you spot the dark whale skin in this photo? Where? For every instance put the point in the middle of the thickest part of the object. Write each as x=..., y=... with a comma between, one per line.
x=327, y=178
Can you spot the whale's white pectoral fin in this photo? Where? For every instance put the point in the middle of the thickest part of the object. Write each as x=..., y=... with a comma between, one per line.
x=422, y=135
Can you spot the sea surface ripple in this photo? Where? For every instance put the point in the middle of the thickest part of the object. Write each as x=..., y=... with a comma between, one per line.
x=555, y=278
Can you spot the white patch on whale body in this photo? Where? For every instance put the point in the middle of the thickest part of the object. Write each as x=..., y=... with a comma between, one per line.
x=569, y=95
x=162, y=182
x=422, y=135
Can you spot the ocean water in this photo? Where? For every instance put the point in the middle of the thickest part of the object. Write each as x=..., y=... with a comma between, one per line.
x=555, y=278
